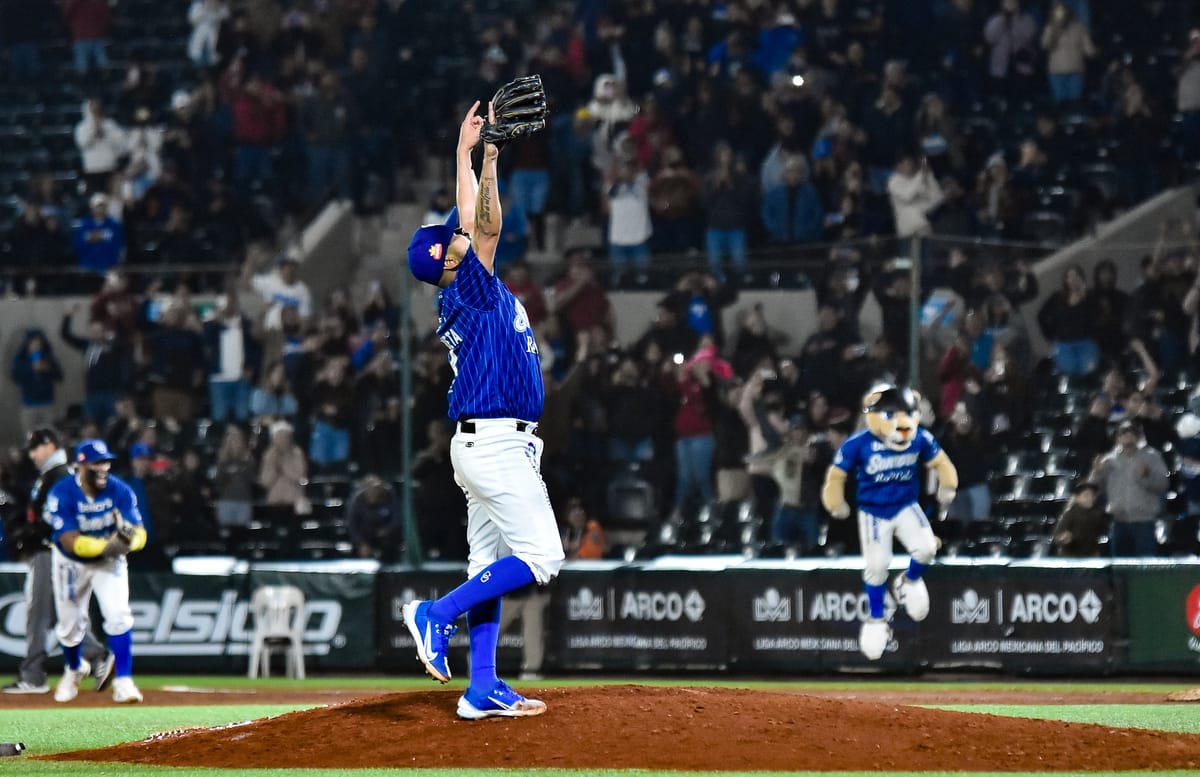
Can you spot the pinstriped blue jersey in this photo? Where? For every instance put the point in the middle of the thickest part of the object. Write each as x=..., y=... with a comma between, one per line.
x=887, y=480
x=493, y=353
x=69, y=509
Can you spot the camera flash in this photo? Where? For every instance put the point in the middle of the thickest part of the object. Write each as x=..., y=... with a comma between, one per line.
x=678, y=358
x=797, y=80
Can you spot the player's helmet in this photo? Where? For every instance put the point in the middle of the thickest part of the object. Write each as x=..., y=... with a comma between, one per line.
x=893, y=414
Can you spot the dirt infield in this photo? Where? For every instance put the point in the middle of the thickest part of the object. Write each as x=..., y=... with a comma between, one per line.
x=630, y=726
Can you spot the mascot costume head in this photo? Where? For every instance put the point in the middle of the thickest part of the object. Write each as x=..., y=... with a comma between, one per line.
x=893, y=414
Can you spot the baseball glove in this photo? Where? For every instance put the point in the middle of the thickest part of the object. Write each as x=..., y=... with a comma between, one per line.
x=520, y=108
x=125, y=530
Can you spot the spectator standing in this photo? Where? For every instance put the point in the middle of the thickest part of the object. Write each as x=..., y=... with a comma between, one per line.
x=333, y=409
x=915, y=193
x=729, y=197
x=374, y=520
x=579, y=299
x=1187, y=97
x=791, y=211
x=674, y=193
x=282, y=289
x=274, y=400
x=1112, y=306
x=99, y=239
x=101, y=142
x=206, y=18
x=1140, y=131
x=698, y=299
x=173, y=360
x=108, y=366
x=1068, y=320
x=90, y=24
x=438, y=504
x=627, y=203
x=1011, y=36
x=283, y=470
x=965, y=444
x=259, y=122
x=233, y=356
x=233, y=478
x=797, y=520
x=1082, y=526
x=23, y=33
x=1134, y=479
x=325, y=118
x=36, y=370
x=1069, y=46
x=698, y=379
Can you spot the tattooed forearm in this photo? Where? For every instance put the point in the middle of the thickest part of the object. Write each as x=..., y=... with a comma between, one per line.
x=486, y=184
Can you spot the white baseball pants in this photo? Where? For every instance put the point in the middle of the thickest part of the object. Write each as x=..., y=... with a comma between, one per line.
x=74, y=583
x=910, y=526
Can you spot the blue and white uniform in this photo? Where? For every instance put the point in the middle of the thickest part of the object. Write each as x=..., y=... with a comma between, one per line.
x=888, y=484
x=496, y=400
x=69, y=509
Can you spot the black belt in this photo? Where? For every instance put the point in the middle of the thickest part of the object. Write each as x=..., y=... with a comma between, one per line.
x=468, y=427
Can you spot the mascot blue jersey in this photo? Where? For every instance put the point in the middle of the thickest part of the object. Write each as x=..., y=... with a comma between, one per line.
x=887, y=480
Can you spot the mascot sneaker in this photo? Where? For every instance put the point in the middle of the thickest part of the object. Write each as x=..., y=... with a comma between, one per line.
x=913, y=595
x=125, y=692
x=68, y=686
x=500, y=702
x=432, y=638
x=873, y=638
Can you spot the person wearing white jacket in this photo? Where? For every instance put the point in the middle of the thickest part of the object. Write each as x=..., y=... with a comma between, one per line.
x=205, y=17
x=915, y=193
x=101, y=142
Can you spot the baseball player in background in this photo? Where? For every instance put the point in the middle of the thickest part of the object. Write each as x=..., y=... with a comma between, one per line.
x=496, y=400
x=886, y=459
x=33, y=540
x=95, y=519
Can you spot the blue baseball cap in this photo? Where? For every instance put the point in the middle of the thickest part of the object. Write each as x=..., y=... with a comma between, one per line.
x=93, y=450
x=140, y=450
x=427, y=249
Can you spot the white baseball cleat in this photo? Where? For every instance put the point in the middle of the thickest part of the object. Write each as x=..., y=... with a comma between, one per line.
x=68, y=686
x=125, y=692
x=913, y=595
x=873, y=638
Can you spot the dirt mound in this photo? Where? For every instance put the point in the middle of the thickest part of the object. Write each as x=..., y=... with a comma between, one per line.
x=629, y=726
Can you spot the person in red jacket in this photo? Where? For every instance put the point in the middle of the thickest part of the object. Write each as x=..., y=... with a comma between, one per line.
x=259, y=121
x=90, y=22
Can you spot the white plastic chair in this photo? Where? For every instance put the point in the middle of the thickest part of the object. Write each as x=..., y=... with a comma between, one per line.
x=278, y=623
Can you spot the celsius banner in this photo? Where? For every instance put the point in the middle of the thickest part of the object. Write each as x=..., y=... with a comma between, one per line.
x=630, y=618
x=399, y=585
x=1163, y=616
x=1020, y=618
x=798, y=620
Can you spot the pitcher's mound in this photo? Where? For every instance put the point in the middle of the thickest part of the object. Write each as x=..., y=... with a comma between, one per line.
x=630, y=727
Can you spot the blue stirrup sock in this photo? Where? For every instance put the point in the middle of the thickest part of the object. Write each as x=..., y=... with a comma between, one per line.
x=875, y=598
x=483, y=621
x=915, y=569
x=498, y=578
x=71, y=655
x=121, y=646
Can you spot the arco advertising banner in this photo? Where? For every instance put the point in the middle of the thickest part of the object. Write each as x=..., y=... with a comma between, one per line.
x=632, y=619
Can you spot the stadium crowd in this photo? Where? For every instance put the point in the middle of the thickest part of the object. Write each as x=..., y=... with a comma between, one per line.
x=724, y=136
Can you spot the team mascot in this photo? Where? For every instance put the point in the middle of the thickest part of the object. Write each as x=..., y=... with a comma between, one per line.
x=886, y=460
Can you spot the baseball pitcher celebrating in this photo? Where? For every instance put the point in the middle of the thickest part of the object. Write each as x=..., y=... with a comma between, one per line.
x=496, y=400
x=95, y=519
x=886, y=459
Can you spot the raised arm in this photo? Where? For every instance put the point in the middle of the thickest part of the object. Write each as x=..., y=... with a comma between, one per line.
x=487, y=209
x=467, y=186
